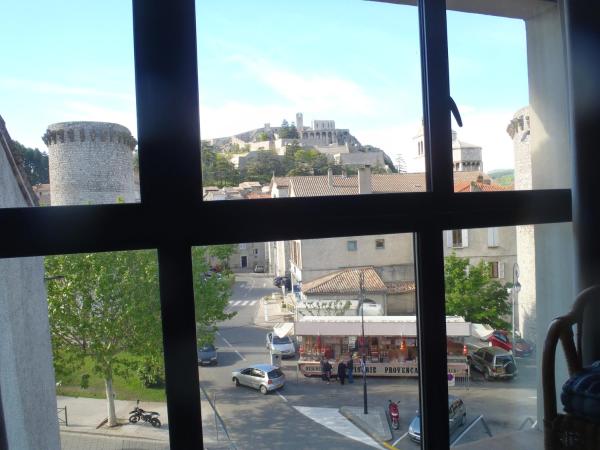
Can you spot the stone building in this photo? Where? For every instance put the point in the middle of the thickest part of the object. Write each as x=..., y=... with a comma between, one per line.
x=465, y=156
x=90, y=163
x=519, y=129
x=27, y=385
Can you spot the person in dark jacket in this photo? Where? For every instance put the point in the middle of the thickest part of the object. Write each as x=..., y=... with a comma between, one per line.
x=327, y=369
x=350, y=367
x=341, y=372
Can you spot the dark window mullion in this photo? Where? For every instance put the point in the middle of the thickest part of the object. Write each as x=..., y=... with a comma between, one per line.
x=170, y=181
x=428, y=243
x=179, y=341
x=431, y=330
x=436, y=96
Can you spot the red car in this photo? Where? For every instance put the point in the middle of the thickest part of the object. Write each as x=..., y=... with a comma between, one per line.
x=501, y=338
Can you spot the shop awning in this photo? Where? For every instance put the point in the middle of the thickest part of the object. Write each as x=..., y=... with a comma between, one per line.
x=283, y=329
x=374, y=326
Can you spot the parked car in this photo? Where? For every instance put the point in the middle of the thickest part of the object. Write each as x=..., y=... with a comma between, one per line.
x=207, y=354
x=259, y=268
x=494, y=362
x=457, y=416
x=263, y=377
x=502, y=339
x=281, y=344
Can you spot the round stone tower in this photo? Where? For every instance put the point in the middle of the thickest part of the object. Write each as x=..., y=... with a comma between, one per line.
x=90, y=163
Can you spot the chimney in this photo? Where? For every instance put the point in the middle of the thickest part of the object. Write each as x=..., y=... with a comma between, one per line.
x=330, y=177
x=364, y=180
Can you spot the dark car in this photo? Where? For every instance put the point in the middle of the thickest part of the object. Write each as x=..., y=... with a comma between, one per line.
x=494, y=362
x=457, y=416
x=207, y=354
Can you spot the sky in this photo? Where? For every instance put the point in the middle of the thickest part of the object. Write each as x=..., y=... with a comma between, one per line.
x=352, y=61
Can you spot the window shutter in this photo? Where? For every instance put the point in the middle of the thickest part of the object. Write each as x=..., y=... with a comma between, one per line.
x=449, y=238
x=493, y=237
x=465, y=238
x=500, y=269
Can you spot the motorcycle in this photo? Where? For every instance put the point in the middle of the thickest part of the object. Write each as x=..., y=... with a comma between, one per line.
x=394, y=414
x=147, y=416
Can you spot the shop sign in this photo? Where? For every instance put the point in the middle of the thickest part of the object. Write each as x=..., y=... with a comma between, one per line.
x=382, y=369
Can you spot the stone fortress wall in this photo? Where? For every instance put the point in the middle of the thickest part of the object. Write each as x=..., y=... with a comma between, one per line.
x=90, y=163
x=519, y=130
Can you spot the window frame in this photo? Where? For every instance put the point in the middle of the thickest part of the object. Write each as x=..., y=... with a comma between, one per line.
x=172, y=217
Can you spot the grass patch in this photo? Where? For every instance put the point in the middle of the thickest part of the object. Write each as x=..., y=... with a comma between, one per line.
x=126, y=388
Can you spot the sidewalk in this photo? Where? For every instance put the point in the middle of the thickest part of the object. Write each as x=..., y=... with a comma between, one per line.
x=85, y=414
x=274, y=314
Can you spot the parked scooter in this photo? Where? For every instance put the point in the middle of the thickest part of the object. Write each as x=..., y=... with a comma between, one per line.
x=147, y=416
x=394, y=414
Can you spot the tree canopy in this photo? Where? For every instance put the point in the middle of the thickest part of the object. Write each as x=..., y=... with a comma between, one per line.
x=473, y=294
x=34, y=162
x=104, y=306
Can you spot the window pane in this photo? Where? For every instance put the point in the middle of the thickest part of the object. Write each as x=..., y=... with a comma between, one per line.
x=304, y=303
x=84, y=344
x=291, y=92
x=69, y=104
x=509, y=294
x=510, y=86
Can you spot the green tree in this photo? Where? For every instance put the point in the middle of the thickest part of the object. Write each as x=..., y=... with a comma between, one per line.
x=473, y=294
x=263, y=167
x=34, y=162
x=262, y=136
x=284, y=130
x=216, y=168
x=101, y=306
x=309, y=162
x=211, y=294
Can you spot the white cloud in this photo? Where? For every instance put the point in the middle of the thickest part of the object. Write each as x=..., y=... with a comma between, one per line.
x=43, y=87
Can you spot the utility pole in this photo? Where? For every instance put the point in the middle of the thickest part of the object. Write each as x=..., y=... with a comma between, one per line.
x=362, y=322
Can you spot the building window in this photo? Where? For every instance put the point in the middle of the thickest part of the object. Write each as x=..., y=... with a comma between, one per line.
x=352, y=246
x=242, y=246
x=458, y=238
x=379, y=244
x=496, y=269
x=255, y=251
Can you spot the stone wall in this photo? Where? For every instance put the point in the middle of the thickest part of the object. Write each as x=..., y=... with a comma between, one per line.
x=90, y=163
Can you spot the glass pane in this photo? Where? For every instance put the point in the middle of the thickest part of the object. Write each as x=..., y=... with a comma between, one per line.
x=68, y=104
x=83, y=344
x=493, y=282
x=291, y=93
x=507, y=76
x=294, y=305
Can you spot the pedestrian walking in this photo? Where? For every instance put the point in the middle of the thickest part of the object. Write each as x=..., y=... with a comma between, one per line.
x=323, y=374
x=327, y=367
x=350, y=367
x=341, y=372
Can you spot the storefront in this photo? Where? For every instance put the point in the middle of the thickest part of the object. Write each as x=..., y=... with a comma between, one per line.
x=390, y=346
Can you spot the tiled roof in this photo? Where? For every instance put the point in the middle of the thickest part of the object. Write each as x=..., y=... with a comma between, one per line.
x=346, y=281
x=317, y=186
x=255, y=195
x=400, y=287
x=281, y=181
x=476, y=186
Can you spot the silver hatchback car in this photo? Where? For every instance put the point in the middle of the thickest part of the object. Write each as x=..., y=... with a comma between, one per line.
x=263, y=377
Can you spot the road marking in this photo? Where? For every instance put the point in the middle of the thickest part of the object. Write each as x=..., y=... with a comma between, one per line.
x=245, y=302
x=236, y=302
x=230, y=302
x=252, y=302
x=284, y=399
x=534, y=397
x=331, y=418
x=399, y=439
x=227, y=342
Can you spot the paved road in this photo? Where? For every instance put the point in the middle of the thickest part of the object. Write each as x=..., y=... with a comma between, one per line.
x=245, y=411
x=79, y=441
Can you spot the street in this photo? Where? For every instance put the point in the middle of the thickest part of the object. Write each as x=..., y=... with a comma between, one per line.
x=291, y=417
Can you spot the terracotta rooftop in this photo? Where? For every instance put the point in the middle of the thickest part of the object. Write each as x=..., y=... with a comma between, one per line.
x=255, y=195
x=346, y=281
x=317, y=186
x=400, y=287
x=476, y=186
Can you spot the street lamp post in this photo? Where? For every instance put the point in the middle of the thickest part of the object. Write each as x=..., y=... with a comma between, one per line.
x=362, y=322
x=516, y=287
